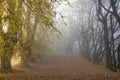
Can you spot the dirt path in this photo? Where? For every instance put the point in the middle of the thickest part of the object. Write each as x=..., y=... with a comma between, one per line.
x=63, y=67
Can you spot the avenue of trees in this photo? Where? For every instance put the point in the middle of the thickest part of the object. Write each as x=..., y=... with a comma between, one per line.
x=95, y=25
x=98, y=33
x=27, y=27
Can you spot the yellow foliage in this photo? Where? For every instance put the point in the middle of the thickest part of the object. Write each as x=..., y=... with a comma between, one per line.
x=31, y=24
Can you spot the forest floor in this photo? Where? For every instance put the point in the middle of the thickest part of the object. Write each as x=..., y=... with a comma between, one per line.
x=62, y=67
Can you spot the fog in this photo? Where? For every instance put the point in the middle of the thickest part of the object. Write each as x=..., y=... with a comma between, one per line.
x=59, y=39
x=90, y=28
x=67, y=26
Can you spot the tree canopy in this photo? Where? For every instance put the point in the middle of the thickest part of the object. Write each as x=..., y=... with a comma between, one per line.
x=26, y=27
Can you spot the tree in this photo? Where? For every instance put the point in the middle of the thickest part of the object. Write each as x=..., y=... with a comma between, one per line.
x=9, y=20
x=19, y=24
x=102, y=17
x=114, y=4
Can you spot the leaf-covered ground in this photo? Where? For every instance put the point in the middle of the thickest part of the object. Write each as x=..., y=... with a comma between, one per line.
x=62, y=67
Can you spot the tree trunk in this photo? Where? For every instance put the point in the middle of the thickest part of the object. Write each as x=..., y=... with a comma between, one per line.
x=24, y=62
x=6, y=63
x=112, y=44
x=8, y=50
x=107, y=48
x=29, y=56
x=30, y=38
x=118, y=52
x=70, y=45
